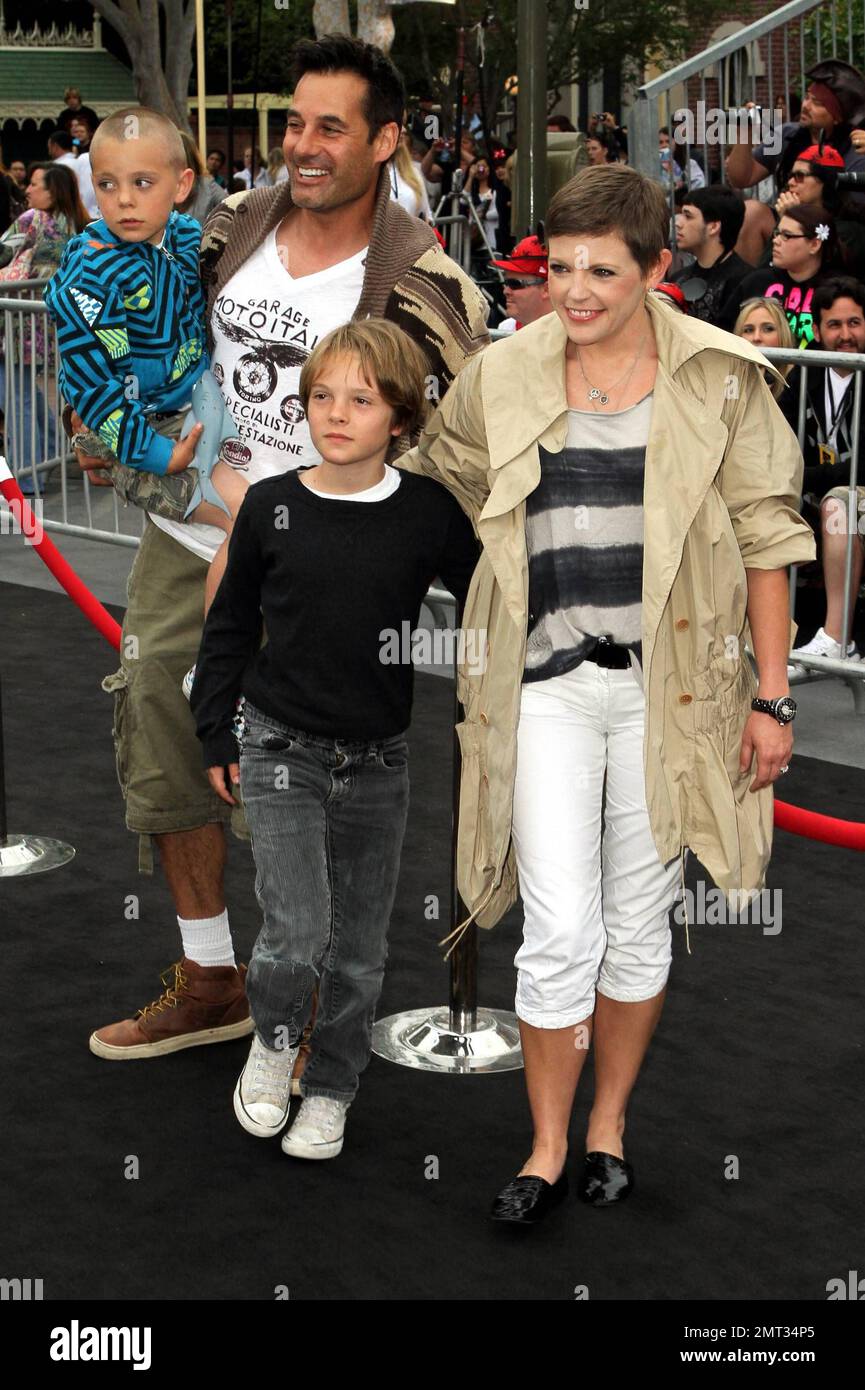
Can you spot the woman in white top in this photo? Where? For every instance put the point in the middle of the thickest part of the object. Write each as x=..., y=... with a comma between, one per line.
x=276, y=166
x=407, y=181
x=491, y=198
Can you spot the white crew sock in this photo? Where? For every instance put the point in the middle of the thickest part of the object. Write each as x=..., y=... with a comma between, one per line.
x=207, y=940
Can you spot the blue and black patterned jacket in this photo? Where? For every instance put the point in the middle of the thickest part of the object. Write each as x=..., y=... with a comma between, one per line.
x=130, y=326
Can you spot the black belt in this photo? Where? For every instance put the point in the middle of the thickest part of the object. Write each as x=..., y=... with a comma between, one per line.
x=610, y=654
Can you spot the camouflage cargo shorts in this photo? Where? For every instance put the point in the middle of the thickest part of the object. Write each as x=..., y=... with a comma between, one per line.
x=163, y=494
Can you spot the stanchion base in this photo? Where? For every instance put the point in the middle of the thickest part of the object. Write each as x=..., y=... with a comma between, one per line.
x=423, y=1038
x=32, y=854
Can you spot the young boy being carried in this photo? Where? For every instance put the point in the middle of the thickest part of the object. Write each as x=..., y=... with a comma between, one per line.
x=129, y=309
x=336, y=560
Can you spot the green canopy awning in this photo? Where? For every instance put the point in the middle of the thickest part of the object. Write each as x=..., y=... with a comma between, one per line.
x=33, y=80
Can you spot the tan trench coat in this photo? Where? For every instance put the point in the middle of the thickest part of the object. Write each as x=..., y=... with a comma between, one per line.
x=723, y=476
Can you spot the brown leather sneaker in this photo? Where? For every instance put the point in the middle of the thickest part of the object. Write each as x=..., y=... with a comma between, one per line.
x=305, y=1049
x=203, y=1004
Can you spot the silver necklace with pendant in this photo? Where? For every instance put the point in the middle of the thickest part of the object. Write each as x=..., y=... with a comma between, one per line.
x=594, y=393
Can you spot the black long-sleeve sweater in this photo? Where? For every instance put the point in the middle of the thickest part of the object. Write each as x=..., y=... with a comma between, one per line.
x=332, y=580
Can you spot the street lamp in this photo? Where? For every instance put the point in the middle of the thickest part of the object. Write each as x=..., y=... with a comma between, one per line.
x=199, y=77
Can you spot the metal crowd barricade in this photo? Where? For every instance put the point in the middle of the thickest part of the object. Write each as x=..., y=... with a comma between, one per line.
x=34, y=441
x=848, y=669
x=759, y=62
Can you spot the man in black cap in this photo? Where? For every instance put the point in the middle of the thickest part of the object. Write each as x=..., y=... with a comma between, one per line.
x=834, y=104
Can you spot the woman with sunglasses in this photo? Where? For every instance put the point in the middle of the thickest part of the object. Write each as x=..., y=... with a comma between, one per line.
x=813, y=182
x=804, y=250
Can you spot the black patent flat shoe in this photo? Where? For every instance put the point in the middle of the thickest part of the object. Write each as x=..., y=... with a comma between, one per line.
x=605, y=1179
x=527, y=1200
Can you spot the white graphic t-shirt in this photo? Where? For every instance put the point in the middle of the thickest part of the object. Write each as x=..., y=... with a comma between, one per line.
x=265, y=325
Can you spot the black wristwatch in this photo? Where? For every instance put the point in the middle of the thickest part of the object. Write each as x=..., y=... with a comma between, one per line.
x=784, y=709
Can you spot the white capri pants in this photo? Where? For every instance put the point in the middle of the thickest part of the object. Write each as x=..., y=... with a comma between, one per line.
x=596, y=910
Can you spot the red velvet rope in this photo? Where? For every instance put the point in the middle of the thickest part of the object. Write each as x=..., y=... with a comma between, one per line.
x=60, y=568
x=846, y=833
x=849, y=834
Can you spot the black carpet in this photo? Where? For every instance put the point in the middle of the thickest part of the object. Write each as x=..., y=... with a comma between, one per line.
x=758, y=1057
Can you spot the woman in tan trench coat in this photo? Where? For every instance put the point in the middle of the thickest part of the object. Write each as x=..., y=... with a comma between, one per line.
x=636, y=491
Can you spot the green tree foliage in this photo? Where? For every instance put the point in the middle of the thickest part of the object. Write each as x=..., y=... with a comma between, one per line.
x=583, y=42
x=280, y=28
x=849, y=22
x=607, y=34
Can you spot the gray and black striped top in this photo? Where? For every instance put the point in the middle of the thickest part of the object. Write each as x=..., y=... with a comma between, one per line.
x=584, y=535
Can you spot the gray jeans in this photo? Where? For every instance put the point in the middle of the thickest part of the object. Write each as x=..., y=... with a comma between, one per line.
x=327, y=818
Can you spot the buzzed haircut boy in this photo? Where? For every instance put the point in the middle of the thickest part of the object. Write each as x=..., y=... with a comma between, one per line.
x=137, y=123
x=128, y=303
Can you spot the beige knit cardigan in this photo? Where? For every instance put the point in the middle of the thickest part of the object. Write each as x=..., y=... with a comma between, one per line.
x=408, y=278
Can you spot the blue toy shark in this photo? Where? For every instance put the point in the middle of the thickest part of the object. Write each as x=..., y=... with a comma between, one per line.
x=208, y=409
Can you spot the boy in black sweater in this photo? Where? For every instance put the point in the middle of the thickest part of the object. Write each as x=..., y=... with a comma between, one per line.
x=335, y=560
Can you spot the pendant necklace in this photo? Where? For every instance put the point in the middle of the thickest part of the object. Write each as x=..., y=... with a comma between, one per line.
x=594, y=393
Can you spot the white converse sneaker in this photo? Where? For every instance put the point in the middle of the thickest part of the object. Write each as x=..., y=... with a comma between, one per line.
x=821, y=644
x=262, y=1095
x=317, y=1132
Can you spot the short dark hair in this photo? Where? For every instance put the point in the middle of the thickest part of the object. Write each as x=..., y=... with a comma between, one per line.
x=61, y=138
x=132, y=121
x=385, y=98
x=719, y=204
x=839, y=287
x=218, y=152
x=615, y=199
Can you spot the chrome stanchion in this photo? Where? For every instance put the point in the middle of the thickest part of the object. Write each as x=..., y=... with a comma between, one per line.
x=458, y=1037
x=25, y=854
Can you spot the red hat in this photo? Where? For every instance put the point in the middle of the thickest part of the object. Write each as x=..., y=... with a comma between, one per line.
x=528, y=257
x=843, y=85
x=829, y=159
